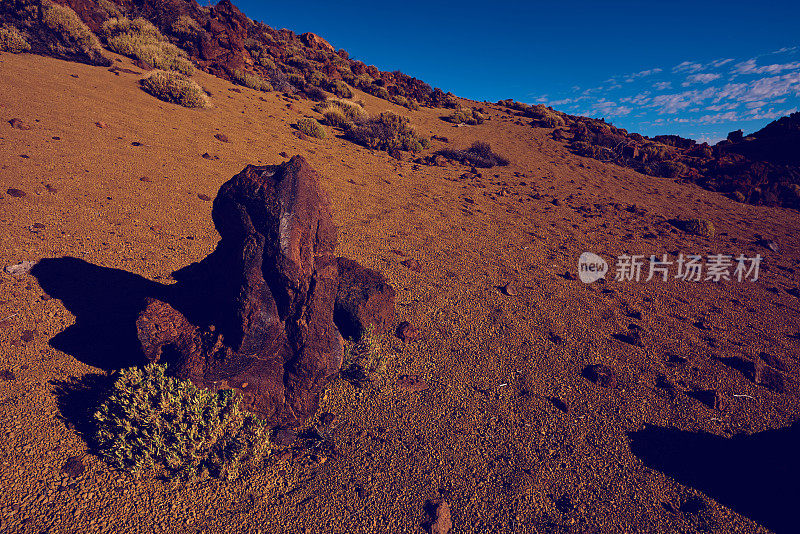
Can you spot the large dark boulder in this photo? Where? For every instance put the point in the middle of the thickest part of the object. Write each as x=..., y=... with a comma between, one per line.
x=259, y=310
x=364, y=300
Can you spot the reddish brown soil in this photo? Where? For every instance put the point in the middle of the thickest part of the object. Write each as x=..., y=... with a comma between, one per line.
x=486, y=435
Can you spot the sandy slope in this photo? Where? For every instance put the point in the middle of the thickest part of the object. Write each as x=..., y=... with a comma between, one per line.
x=485, y=436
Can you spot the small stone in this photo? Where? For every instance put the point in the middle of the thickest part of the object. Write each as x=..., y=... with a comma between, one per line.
x=560, y=404
x=136, y=143
x=51, y=189
x=509, y=290
x=73, y=467
x=412, y=264
x=7, y=375
x=600, y=374
x=442, y=522
x=101, y=124
x=411, y=384
x=710, y=397
x=27, y=336
x=222, y=137
x=284, y=437
x=406, y=331
x=203, y=197
x=20, y=269
x=206, y=155
x=17, y=193
x=19, y=124
x=145, y=179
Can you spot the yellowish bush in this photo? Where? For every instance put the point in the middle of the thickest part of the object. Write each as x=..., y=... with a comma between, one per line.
x=176, y=88
x=311, y=128
x=11, y=40
x=141, y=40
x=253, y=81
x=74, y=35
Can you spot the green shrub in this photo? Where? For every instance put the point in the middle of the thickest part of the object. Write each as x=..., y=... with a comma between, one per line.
x=670, y=169
x=311, y=128
x=265, y=61
x=74, y=36
x=389, y=132
x=253, y=81
x=151, y=420
x=351, y=110
x=378, y=91
x=466, y=116
x=480, y=154
x=340, y=89
x=701, y=227
x=364, y=359
x=317, y=79
x=186, y=27
x=399, y=100
x=176, y=88
x=412, y=104
x=139, y=39
x=11, y=40
x=110, y=9
x=335, y=117
x=298, y=80
x=545, y=117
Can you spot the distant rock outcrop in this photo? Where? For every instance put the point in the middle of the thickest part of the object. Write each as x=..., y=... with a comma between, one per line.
x=262, y=304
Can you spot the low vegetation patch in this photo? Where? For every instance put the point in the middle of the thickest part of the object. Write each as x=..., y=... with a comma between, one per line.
x=701, y=227
x=74, y=38
x=153, y=421
x=176, y=88
x=389, y=132
x=545, y=117
x=364, y=359
x=466, y=116
x=480, y=154
x=251, y=80
x=139, y=39
x=11, y=40
x=311, y=128
x=353, y=111
x=340, y=89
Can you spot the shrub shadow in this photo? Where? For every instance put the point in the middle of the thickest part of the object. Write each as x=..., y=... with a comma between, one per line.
x=754, y=475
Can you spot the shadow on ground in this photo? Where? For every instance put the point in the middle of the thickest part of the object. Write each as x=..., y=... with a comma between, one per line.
x=754, y=475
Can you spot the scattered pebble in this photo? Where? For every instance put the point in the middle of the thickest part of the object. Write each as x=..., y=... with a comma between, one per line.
x=441, y=519
x=509, y=290
x=73, y=466
x=222, y=137
x=27, y=336
x=406, y=331
x=601, y=374
x=101, y=124
x=20, y=269
x=7, y=375
x=203, y=196
x=411, y=383
x=284, y=437
x=19, y=124
x=13, y=192
x=412, y=264
x=560, y=404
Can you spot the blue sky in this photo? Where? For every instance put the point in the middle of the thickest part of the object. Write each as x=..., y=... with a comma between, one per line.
x=696, y=69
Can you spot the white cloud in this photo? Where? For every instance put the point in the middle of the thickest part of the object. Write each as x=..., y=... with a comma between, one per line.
x=704, y=78
x=660, y=86
x=750, y=67
x=687, y=66
x=673, y=103
x=718, y=118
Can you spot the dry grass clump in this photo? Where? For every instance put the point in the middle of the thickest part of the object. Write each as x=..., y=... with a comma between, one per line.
x=480, y=154
x=176, y=88
x=186, y=27
x=74, y=37
x=311, y=128
x=701, y=227
x=335, y=117
x=11, y=40
x=545, y=117
x=364, y=359
x=468, y=116
x=340, y=89
x=152, y=421
x=388, y=131
x=139, y=39
x=351, y=110
x=251, y=80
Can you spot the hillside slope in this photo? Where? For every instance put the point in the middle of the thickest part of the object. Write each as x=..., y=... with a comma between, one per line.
x=510, y=432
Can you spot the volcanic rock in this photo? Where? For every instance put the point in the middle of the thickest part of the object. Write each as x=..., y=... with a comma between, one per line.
x=364, y=299
x=600, y=374
x=262, y=303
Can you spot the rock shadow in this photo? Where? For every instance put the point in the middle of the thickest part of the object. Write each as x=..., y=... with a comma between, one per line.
x=754, y=475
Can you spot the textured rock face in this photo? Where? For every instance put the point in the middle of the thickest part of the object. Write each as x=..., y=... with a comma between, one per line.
x=364, y=299
x=265, y=297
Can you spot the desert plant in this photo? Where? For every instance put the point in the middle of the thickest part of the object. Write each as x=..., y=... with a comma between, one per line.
x=352, y=110
x=139, y=39
x=388, y=131
x=670, y=169
x=545, y=117
x=298, y=80
x=74, y=36
x=335, y=117
x=317, y=79
x=466, y=116
x=479, y=154
x=311, y=128
x=701, y=227
x=266, y=62
x=340, y=89
x=253, y=81
x=364, y=359
x=176, y=88
x=11, y=40
x=314, y=93
x=186, y=27
x=152, y=420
